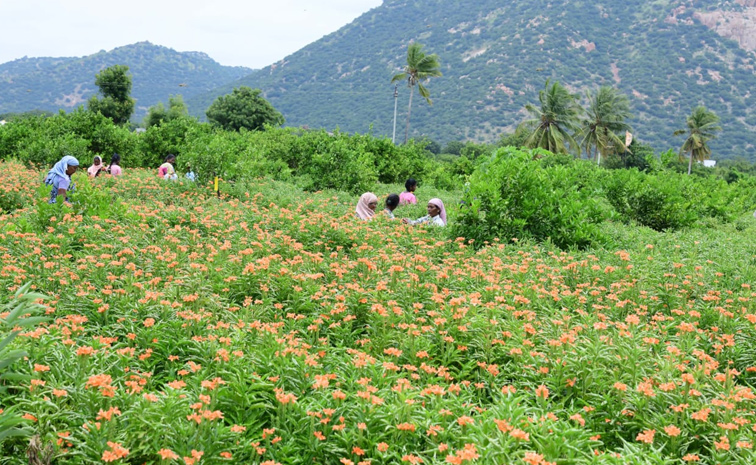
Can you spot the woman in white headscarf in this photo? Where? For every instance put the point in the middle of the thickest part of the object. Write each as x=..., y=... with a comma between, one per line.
x=436, y=214
x=59, y=177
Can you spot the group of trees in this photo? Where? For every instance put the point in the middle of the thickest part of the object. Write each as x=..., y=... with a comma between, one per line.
x=243, y=108
x=558, y=121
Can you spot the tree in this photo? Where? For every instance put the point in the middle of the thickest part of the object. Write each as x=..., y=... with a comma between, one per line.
x=454, y=147
x=158, y=114
x=607, y=111
x=420, y=67
x=116, y=102
x=552, y=123
x=243, y=108
x=702, y=126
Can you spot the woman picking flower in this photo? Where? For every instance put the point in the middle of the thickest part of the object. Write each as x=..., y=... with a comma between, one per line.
x=166, y=170
x=59, y=177
x=436, y=214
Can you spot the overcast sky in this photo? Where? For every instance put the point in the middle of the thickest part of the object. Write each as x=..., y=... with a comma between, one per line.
x=252, y=33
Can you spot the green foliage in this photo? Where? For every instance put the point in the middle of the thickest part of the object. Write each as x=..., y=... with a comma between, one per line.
x=554, y=121
x=661, y=202
x=516, y=195
x=116, y=102
x=158, y=114
x=639, y=155
x=703, y=125
x=420, y=68
x=243, y=108
x=21, y=312
x=605, y=117
x=83, y=134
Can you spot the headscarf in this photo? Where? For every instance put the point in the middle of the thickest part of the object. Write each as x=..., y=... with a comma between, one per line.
x=363, y=211
x=60, y=169
x=440, y=205
x=94, y=169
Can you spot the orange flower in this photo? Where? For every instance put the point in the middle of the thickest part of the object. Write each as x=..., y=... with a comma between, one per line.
x=646, y=436
x=167, y=454
x=672, y=430
x=542, y=392
x=116, y=452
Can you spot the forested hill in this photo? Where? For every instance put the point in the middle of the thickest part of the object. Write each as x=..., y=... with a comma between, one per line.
x=667, y=55
x=158, y=72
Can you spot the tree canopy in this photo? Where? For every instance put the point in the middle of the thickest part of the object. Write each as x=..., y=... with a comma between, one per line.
x=158, y=114
x=243, y=108
x=115, y=87
x=703, y=124
x=554, y=121
x=420, y=67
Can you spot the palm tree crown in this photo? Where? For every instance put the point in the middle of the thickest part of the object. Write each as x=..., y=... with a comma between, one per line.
x=553, y=122
x=607, y=111
x=420, y=67
x=703, y=124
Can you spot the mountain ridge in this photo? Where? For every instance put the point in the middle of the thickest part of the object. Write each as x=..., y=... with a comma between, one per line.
x=52, y=83
x=496, y=56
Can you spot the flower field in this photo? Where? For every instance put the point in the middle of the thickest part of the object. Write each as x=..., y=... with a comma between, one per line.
x=270, y=327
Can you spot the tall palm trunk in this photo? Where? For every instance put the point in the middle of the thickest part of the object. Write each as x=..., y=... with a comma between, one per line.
x=690, y=163
x=409, y=110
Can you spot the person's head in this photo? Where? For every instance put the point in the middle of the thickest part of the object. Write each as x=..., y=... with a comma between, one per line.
x=188, y=168
x=392, y=201
x=433, y=209
x=170, y=159
x=367, y=205
x=97, y=160
x=436, y=208
x=410, y=185
x=115, y=159
x=70, y=163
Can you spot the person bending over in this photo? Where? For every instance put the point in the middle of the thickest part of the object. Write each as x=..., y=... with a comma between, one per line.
x=436, y=214
x=59, y=177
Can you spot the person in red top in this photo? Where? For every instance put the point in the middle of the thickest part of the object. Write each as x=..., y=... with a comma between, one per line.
x=407, y=197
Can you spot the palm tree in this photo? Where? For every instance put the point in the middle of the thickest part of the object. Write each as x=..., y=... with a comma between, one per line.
x=555, y=120
x=607, y=110
x=420, y=67
x=702, y=126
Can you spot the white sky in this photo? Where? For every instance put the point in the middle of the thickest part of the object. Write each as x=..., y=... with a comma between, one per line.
x=253, y=33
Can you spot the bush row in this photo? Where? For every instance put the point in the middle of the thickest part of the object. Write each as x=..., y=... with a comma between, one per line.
x=316, y=159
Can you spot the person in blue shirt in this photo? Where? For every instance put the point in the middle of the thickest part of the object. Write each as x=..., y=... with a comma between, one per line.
x=59, y=177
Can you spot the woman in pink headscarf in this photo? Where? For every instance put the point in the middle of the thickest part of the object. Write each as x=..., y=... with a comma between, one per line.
x=436, y=214
x=366, y=206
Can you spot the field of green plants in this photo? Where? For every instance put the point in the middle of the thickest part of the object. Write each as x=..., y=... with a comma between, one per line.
x=567, y=315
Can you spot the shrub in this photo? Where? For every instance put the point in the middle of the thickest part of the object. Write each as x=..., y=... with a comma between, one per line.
x=661, y=202
x=516, y=195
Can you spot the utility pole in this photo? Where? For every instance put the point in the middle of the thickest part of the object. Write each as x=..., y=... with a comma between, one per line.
x=396, y=100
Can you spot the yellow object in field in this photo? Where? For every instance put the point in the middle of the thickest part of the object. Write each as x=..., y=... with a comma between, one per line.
x=216, y=184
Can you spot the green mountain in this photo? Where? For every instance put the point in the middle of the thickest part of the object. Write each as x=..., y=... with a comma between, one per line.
x=667, y=55
x=158, y=72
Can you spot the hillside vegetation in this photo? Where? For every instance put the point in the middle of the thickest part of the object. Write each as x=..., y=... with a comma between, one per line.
x=668, y=56
x=65, y=83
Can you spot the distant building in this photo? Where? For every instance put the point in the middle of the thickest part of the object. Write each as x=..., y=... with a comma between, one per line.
x=2, y=122
x=710, y=163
